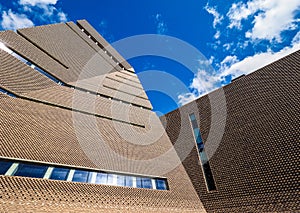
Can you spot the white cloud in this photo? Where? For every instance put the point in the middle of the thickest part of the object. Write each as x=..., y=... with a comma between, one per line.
x=228, y=61
x=37, y=2
x=252, y=63
x=227, y=46
x=161, y=26
x=13, y=21
x=296, y=39
x=62, y=17
x=205, y=82
x=217, y=17
x=270, y=17
x=186, y=98
x=43, y=10
x=238, y=12
x=217, y=35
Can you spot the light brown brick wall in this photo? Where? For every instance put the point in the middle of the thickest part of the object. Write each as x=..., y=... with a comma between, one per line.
x=39, y=126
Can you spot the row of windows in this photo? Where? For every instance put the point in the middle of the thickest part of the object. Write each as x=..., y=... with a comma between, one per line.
x=102, y=47
x=209, y=179
x=23, y=169
x=7, y=92
x=51, y=77
x=32, y=65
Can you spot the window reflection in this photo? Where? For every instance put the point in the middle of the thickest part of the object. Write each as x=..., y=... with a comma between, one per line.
x=101, y=178
x=147, y=183
x=202, y=154
x=59, y=174
x=80, y=176
x=121, y=180
x=161, y=184
x=128, y=181
x=29, y=170
x=4, y=166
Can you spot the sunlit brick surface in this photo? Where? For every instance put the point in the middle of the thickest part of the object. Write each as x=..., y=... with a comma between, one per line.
x=256, y=165
x=38, y=125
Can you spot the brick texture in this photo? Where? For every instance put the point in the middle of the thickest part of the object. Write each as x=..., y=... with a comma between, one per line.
x=256, y=164
x=57, y=124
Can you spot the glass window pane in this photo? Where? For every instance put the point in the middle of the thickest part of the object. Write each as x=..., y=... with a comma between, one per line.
x=4, y=166
x=128, y=181
x=121, y=180
x=101, y=178
x=209, y=177
x=192, y=117
x=59, y=174
x=194, y=124
x=110, y=179
x=200, y=147
x=197, y=135
x=147, y=183
x=203, y=157
x=46, y=74
x=29, y=170
x=19, y=57
x=161, y=184
x=80, y=176
x=139, y=183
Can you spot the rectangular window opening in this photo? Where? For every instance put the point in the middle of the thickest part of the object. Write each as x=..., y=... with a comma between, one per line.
x=80, y=176
x=60, y=173
x=4, y=166
x=31, y=170
x=208, y=176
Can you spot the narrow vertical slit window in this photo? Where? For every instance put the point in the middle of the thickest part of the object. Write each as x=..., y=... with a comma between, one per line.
x=209, y=179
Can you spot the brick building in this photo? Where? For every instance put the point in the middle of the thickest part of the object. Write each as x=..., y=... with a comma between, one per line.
x=77, y=133
x=253, y=165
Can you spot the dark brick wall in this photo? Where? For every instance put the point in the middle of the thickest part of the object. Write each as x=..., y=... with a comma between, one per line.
x=256, y=164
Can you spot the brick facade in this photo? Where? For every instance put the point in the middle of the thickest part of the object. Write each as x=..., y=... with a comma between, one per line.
x=115, y=128
x=256, y=163
x=99, y=117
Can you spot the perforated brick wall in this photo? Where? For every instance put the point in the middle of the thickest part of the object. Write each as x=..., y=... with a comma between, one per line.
x=44, y=124
x=256, y=162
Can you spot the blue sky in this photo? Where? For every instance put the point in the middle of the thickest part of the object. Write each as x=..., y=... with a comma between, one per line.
x=236, y=36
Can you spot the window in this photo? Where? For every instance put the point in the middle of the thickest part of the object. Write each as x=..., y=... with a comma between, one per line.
x=139, y=183
x=161, y=184
x=7, y=93
x=101, y=178
x=59, y=174
x=143, y=182
x=37, y=170
x=128, y=181
x=208, y=176
x=121, y=180
x=81, y=176
x=147, y=183
x=4, y=166
x=31, y=170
